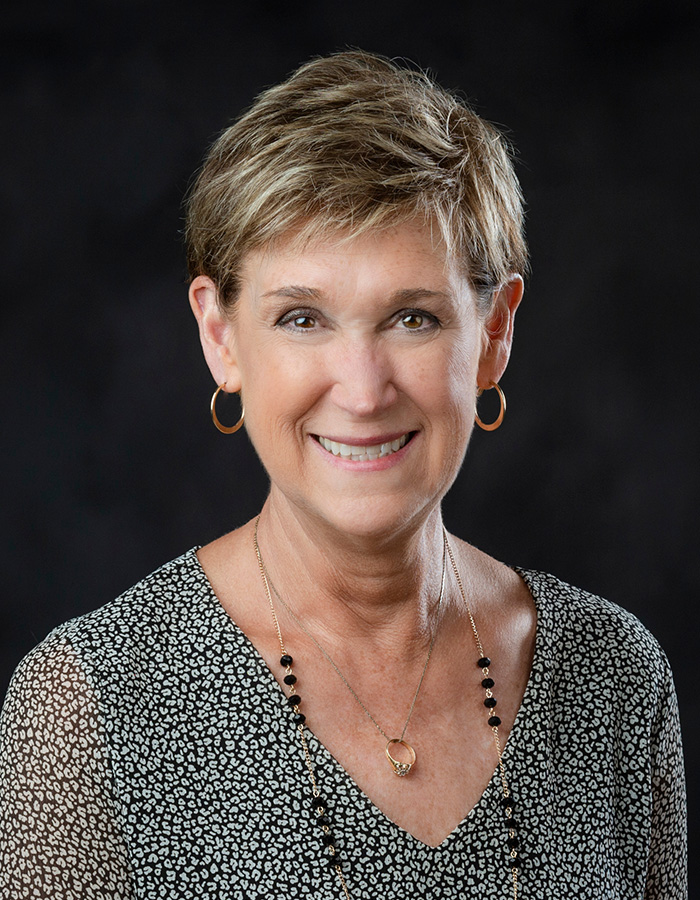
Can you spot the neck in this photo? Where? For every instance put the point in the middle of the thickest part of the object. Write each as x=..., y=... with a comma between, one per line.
x=377, y=588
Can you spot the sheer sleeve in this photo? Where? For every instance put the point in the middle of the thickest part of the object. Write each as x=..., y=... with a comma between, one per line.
x=58, y=835
x=668, y=854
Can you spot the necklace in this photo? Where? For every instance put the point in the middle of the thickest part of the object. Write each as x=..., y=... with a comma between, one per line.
x=399, y=767
x=319, y=806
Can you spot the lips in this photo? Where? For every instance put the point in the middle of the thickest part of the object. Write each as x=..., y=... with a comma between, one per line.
x=363, y=452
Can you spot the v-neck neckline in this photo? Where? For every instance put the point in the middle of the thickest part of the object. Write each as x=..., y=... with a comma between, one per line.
x=326, y=760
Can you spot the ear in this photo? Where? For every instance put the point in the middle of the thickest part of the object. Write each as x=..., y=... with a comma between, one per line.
x=498, y=332
x=215, y=332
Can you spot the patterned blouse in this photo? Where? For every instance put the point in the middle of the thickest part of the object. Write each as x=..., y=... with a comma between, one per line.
x=148, y=752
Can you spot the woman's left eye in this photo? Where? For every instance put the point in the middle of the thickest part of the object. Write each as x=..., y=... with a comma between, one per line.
x=417, y=320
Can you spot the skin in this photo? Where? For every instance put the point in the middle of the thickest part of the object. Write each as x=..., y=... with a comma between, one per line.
x=362, y=342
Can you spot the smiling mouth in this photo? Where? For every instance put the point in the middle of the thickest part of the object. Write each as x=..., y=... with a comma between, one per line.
x=364, y=453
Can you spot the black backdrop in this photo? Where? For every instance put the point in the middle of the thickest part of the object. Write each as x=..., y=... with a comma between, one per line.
x=110, y=463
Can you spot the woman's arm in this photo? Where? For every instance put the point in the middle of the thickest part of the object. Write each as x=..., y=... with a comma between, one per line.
x=58, y=835
x=668, y=853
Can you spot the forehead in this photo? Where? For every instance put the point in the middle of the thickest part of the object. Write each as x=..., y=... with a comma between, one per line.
x=405, y=253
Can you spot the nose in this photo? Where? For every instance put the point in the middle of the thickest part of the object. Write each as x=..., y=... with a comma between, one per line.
x=363, y=378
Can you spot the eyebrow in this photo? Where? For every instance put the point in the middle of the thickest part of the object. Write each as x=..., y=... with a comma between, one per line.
x=405, y=295
x=295, y=292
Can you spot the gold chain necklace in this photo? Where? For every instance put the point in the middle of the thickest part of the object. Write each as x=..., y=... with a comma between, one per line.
x=319, y=805
x=399, y=767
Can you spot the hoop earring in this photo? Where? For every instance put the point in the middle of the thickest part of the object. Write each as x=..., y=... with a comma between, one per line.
x=498, y=422
x=224, y=429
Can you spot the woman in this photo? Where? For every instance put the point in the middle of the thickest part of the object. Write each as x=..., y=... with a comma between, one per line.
x=323, y=702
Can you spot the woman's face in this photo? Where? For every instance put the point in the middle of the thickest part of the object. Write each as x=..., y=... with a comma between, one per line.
x=358, y=366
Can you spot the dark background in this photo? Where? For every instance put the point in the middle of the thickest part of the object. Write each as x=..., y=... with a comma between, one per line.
x=109, y=460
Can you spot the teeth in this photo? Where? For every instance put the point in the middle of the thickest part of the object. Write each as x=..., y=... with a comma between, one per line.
x=360, y=453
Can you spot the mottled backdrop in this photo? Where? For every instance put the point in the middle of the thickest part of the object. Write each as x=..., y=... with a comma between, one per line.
x=110, y=464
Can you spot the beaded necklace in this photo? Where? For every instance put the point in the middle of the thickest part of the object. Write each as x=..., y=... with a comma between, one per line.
x=319, y=807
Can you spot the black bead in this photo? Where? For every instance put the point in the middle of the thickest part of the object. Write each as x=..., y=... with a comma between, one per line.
x=508, y=801
x=513, y=862
x=294, y=700
x=317, y=803
x=286, y=660
x=299, y=718
x=484, y=662
x=513, y=842
x=333, y=861
x=490, y=702
x=488, y=683
x=510, y=823
x=324, y=821
x=327, y=839
x=494, y=721
x=290, y=679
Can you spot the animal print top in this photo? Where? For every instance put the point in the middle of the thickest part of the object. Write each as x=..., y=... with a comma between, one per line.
x=147, y=752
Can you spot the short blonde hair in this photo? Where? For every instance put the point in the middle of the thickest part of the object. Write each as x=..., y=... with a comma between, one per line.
x=349, y=143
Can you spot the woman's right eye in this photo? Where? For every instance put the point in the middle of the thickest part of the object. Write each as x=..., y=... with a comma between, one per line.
x=298, y=320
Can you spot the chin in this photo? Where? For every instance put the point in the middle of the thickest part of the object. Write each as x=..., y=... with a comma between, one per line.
x=375, y=517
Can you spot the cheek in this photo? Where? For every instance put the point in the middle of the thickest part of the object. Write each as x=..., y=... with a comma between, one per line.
x=457, y=402
x=448, y=381
x=279, y=389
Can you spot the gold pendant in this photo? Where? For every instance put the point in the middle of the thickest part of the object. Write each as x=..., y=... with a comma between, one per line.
x=400, y=768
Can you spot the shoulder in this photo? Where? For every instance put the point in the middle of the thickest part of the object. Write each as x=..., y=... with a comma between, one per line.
x=49, y=726
x=141, y=622
x=150, y=608
x=49, y=677
x=587, y=633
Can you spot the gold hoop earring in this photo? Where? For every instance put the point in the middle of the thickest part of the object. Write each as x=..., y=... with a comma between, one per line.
x=497, y=424
x=224, y=429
